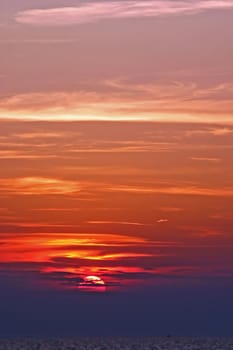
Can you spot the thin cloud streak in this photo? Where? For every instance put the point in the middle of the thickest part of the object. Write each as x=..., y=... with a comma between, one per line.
x=206, y=159
x=38, y=186
x=101, y=10
x=176, y=190
x=55, y=186
x=105, y=222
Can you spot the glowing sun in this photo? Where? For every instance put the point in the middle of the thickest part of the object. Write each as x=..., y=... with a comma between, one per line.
x=92, y=284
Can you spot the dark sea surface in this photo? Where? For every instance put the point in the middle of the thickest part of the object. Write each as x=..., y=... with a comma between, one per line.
x=152, y=343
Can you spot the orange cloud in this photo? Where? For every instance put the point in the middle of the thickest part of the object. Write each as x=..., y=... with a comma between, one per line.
x=206, y=159
x=176, y=190
x=161, y=221
x=89, y=246
x=39, y=186
x=105, y=222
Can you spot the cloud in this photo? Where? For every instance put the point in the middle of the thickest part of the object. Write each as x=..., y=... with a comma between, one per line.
x=107, y=222
x=32, y=135
x=122, y=101
x=14, y=154
x=69, y=210
x=125, y=275
x=126, y=261
x=95, y=11
x=176, y=190
x=172, y=209
x=221, y=131
x=64, y=259
x=207, y=159
x=38, y=186
x=62, y=277
x=66, y=243
x=163, y=272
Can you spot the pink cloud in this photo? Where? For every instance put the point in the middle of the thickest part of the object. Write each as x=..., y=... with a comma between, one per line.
x=100, y=10
x=169, y=101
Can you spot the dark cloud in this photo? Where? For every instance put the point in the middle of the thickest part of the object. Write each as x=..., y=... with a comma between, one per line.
x=122, y=275
x=63, y=278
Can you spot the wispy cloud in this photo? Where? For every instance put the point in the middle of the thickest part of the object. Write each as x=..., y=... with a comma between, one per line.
x=67, y=257
x=57, y=186
x=176, y=190
x=14, y=154
x=162, y=221
x=108, y=222
x=85, y=246
x=69, y=210
x=168, y=101
x=221, y=131
x=172, y=209
x=216, y=131
x=94, y=11
x=206, y=159
x=32, y=135
x=38, y=186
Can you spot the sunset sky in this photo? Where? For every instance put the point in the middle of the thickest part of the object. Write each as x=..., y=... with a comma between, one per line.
x=116, y=148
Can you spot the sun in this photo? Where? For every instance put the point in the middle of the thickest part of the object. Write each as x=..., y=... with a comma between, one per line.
x=94, y=279
x=92, y=284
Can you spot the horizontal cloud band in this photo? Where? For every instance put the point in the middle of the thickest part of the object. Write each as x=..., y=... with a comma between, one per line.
x=100, y=10
x=122, y=100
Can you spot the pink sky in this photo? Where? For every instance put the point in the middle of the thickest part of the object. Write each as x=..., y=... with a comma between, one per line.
x=150, y=60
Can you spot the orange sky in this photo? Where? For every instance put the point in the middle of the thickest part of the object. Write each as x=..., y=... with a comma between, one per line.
x=116, y=140
x=121, y=200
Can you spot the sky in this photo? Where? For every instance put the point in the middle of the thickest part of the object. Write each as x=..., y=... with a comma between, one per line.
x=116, y=125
